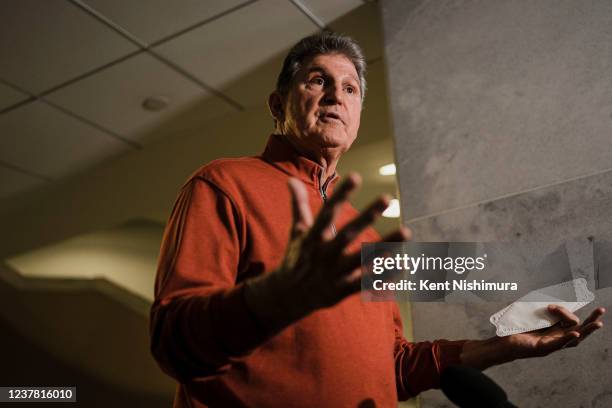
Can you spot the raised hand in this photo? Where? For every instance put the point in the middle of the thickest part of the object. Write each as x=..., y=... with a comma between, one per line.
x=317, y=271
x=317, y=263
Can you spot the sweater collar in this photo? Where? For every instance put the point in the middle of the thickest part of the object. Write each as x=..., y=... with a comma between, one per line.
x=280, y=153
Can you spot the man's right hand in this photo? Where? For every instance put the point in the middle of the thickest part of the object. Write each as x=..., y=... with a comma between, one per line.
x=317, y=270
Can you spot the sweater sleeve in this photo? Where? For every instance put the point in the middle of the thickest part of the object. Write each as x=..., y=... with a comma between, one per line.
x=199, y=321
x=418, y=366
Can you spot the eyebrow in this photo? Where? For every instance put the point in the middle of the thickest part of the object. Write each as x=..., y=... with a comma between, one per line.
x=323, y=71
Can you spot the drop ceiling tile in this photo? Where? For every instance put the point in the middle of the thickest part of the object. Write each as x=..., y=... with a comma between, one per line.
x=10, y=96
x=224, y=50
x=113, y=97
x=13, y=182
x=45, y=43
x=252, y=89
x=327, y=11
x=45, y=141
x=364, y=24
x=153, y=20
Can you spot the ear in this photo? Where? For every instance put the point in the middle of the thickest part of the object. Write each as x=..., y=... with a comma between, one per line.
x=275, y=104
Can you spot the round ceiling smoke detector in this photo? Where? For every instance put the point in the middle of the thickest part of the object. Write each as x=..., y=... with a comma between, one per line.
x=155, y=103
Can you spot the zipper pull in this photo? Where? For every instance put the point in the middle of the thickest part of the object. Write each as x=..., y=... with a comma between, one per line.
x=323, y=192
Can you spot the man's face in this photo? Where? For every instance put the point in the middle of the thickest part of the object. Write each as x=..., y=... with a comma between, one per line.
x=323, y=107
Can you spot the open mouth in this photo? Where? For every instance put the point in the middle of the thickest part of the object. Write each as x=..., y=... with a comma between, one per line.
x=330, y=116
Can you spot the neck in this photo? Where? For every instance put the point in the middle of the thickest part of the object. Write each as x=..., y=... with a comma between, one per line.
x=324, y=156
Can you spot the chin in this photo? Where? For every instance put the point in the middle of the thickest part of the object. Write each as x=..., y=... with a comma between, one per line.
x=332, y=138
x=333, y=143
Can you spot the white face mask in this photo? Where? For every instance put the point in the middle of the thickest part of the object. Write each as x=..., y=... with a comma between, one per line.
x=530, y=312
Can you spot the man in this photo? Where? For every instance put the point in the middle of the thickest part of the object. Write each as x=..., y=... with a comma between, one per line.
x=256, y=297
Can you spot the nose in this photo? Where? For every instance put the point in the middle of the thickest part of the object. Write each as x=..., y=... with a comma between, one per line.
x=333, y=94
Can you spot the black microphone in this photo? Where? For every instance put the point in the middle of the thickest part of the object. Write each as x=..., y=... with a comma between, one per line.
x=468, y=387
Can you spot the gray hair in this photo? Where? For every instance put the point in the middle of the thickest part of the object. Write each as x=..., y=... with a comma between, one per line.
x=326, y=42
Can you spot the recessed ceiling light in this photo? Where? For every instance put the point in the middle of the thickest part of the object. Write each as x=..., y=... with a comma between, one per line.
x=155, y=103
x=387, y=170
x=393, y=210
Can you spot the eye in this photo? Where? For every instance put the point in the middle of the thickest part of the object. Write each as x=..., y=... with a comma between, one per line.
x=350, y=90
x=317, y=81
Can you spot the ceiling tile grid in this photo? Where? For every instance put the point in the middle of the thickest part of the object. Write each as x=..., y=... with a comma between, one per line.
x=45, y=141
x=360, y=23
x=225, y=49
x=329, y=11
x=113, y=97
x=13, y=182
x=90, y=58
x=154, y=20
x=44, y=43
x=10, y=96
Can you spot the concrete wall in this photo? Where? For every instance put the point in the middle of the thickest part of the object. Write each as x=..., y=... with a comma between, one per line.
x=502, y=114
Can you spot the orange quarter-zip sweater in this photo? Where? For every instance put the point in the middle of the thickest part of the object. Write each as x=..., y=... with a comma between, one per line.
x=230, y=223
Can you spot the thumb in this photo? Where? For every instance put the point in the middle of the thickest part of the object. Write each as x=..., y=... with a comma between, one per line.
x=302, y=216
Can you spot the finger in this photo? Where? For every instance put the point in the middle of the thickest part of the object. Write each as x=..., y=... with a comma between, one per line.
x=585, y=331
x=575, y=338
x=595, y=315
x=326, y=215
x=352, y=229
x=400, y=235
x=588, y=329
x=302, y=216
x=353, y=261
x=568, y=319
x=556, y=343
x=352, y=283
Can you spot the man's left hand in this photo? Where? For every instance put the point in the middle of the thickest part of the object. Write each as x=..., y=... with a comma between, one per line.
x=568, y=332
